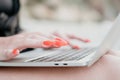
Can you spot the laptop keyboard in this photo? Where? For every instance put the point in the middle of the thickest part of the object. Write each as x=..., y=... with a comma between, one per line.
x=65, y=55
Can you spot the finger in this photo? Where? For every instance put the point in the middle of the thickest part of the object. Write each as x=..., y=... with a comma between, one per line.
x=13, y=53
x=71, y=36
x=67, y=40
x=9, y=54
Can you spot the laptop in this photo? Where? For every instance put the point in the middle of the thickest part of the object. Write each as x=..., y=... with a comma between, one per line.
x=66, y=57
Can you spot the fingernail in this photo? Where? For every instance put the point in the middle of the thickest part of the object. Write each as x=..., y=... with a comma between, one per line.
x=87, y=40
x=47, y=43
x=57, y=44
x=61, y=41
x=75, y=47
x=15, y=52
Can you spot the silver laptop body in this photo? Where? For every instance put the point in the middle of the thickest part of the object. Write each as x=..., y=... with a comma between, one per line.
x=65, y=57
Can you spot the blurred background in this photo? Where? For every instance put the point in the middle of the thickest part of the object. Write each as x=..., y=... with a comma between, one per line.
x=71, y=10
x=86, y=18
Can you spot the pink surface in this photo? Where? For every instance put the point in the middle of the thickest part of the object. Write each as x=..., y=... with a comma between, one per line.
x=41, y=74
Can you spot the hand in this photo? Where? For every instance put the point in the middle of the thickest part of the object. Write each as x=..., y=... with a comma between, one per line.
x=11, y=46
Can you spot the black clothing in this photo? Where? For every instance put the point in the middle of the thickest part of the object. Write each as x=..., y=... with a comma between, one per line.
x=9, y=20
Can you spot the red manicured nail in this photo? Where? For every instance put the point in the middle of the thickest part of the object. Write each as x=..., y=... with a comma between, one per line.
x=75, y=47
x=47, y=43
x=87, y=40
x=61, y=41
x=57, y=44
x=15, y=51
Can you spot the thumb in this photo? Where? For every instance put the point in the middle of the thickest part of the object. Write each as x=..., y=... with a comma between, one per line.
x=9, y=54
